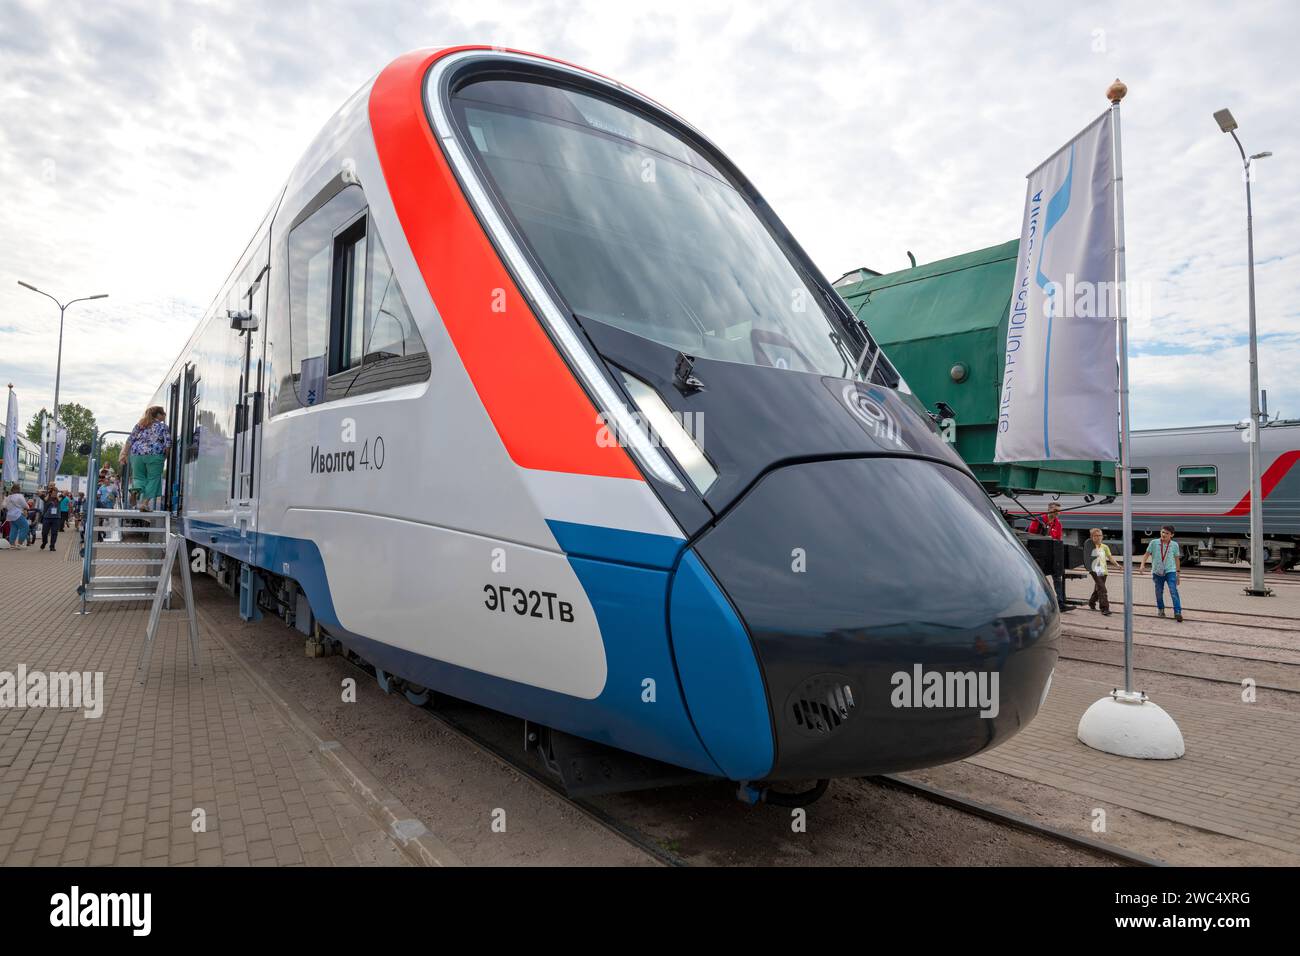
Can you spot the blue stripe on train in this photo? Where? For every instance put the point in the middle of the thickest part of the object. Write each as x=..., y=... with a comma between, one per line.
x=630, y=603
x=614, y=544
x=718, y=670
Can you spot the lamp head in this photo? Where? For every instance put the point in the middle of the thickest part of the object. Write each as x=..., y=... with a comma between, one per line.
x=1264, y=155
x=1224, y=118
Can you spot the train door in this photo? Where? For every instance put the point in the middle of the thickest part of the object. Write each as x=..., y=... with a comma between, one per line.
x=183, y=448
x=170, y=471
x=247, y=322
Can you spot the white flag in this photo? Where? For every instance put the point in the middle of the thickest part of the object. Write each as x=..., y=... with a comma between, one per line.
x=60, y=443
x=1059, y=398
x=11, y=442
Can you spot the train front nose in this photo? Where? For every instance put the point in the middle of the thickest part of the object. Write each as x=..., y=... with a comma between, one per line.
x=896, y=620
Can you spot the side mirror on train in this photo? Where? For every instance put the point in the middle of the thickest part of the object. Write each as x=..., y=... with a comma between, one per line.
x=241, y=320
x=83, y=448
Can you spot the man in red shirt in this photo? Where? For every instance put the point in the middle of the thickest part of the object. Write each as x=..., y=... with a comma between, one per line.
x=1048, y=524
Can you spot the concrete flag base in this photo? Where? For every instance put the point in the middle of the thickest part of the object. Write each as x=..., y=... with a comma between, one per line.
x=1128, y=725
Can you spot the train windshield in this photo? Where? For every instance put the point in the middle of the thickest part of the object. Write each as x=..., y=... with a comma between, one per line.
x=639, y=230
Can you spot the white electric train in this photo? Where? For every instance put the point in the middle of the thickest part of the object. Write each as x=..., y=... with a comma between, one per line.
x=446, y=408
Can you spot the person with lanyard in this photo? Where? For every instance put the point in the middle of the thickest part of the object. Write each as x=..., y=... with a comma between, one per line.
x=51, y=519
x=1166, y=562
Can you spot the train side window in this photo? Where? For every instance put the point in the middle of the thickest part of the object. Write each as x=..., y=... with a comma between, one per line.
x=1198, y=480
x=1140, y=481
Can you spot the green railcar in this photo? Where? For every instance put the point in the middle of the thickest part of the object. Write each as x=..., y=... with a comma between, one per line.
x=944, y=326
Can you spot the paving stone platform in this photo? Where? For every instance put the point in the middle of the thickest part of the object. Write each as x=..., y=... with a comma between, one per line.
x=123, y=788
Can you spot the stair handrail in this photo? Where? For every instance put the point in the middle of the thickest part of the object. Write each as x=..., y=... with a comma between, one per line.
x=88, y=529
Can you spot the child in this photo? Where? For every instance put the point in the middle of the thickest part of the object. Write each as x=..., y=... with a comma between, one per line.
x=1098, y=568
x=1166, y=562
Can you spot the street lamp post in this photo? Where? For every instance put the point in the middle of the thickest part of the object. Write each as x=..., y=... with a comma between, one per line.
x=58, y=367
x=1229, y=125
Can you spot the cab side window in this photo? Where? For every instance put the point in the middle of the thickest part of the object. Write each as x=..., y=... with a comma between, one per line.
x=379, y=346
x=351, y=331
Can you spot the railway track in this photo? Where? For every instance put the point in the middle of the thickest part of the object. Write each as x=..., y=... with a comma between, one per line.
x=1118, y=607
x=1271, y=578
x=1169, y=673
x=1013, y=820
x=520, y=765
x=516, y=762
x=1171, y=647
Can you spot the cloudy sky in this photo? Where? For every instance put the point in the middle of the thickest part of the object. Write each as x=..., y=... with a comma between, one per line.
x=141, y=142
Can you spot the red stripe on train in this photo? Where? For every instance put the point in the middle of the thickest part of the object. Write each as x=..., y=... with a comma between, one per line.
x=1268, y=481
x=541, y=412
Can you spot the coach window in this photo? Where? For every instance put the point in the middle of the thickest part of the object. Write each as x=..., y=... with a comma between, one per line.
x=1140, y=481
x=1198, y=480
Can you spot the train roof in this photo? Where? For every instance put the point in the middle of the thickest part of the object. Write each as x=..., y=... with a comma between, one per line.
x=1180, y=430
x=22, y=439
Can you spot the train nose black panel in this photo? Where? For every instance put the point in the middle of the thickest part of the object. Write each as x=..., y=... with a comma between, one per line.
x=898, y=622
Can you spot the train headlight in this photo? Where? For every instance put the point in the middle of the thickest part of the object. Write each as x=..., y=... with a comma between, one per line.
x=668, y=428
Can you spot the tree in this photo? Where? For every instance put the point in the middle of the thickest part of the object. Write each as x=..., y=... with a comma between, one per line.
x=80, y=423
x=112, y=453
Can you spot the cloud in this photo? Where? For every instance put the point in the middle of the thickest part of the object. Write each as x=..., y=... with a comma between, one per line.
x=141, y=142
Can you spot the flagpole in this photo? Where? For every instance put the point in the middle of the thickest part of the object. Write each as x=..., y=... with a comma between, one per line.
x=1126, y=722
x=1115, y=94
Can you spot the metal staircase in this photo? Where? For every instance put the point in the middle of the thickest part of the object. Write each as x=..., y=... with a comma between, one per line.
x=126, y=564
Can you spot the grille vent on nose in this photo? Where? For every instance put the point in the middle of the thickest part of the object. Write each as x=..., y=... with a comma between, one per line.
x=821, y=705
